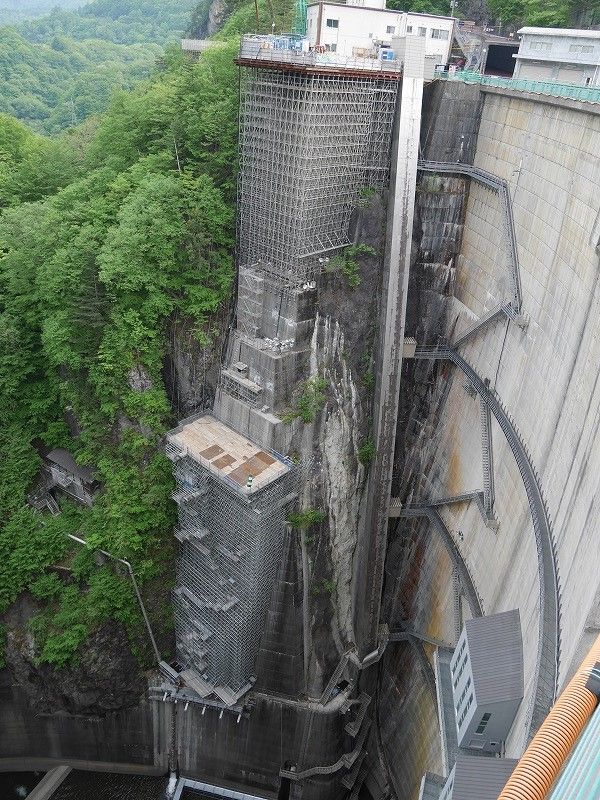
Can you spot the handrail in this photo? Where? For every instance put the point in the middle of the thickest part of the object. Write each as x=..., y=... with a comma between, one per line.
x=500, y=186
x=548, y=656
x=458, y=562
x=585, y=94
x=346, y=760
x=287, y=49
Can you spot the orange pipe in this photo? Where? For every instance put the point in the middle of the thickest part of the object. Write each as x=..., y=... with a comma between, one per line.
x=542, y=761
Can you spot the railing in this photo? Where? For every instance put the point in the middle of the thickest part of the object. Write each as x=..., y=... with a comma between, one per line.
x=290, y=50
x=548, y=656
x=458, y=562
x=587, y=94
x=347, y=760
x=500, y=186
x=487, y=458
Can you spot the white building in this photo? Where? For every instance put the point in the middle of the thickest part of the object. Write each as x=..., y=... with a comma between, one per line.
x=477, y=778
x=487, y=680
x=356, y=30
x=559, y=55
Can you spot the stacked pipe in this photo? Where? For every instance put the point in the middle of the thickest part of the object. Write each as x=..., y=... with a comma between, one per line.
x=545, y=756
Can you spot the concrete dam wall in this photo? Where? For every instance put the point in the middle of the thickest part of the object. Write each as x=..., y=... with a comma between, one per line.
x=543, y=371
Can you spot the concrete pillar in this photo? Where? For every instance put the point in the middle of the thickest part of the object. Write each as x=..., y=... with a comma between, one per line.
x=403, y=179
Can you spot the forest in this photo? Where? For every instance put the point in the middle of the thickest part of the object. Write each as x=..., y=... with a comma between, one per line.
x=509, y=15
x=106, y=235
x=12, y=11
x=58, y=70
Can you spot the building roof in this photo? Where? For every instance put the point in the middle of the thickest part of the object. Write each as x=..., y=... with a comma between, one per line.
x=567, y=33
x=479, y=778
x=65, y=460
x=227, y=453
x=496, y=654
x=431, y=786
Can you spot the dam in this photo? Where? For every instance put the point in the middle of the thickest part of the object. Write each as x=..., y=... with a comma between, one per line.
x=402, y=445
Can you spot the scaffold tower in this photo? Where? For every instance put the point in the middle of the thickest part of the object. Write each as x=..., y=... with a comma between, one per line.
x=232, y=499
x=309, y=143
x=300, y=12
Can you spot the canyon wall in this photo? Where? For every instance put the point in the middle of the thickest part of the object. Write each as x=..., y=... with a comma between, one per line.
x=546, y=375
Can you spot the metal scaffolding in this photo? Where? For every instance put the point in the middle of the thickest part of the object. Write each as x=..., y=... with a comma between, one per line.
x=311, y=146
x=231, y=543
x=308, y=145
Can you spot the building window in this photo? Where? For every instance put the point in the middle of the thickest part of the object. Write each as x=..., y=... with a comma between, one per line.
x=482, y=725
x=581, y=48
x=390, y=29
x=333, y=23
x=460, y=671
x=457, y=655
x=422, y=31
x=465, y=710
x=331, y=48
x=464, y=693
x=539, y=45
x=409, y=28
x=438, y=33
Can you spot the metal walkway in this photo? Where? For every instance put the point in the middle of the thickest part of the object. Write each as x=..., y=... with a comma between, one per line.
x=405, y=634
x=479, y=497
x=513, y=308
x=347, y=760
x=548, y=656
x=487, y=457
x=458, y=562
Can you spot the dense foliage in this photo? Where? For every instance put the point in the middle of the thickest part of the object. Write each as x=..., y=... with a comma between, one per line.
x=12, y=11
x=56, y=85
x=546, y=13
x=58, y=70
x=105, y=234
x=117, y=21
x=507, y=15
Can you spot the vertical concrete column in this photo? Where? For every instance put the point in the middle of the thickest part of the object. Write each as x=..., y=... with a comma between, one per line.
x=371, y=548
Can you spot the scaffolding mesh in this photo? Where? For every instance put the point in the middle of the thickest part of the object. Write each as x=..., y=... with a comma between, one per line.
x=308, y=145
x=231, y=546
x=250, y=300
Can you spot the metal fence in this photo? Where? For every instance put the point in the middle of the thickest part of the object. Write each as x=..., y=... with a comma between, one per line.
x=292, y=50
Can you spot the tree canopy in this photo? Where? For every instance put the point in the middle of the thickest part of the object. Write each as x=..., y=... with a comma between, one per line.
x=62, y=68
x=107, y=232
x=12, y=11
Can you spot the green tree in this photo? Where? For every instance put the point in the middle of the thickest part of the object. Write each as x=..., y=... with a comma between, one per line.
x=107, y=232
